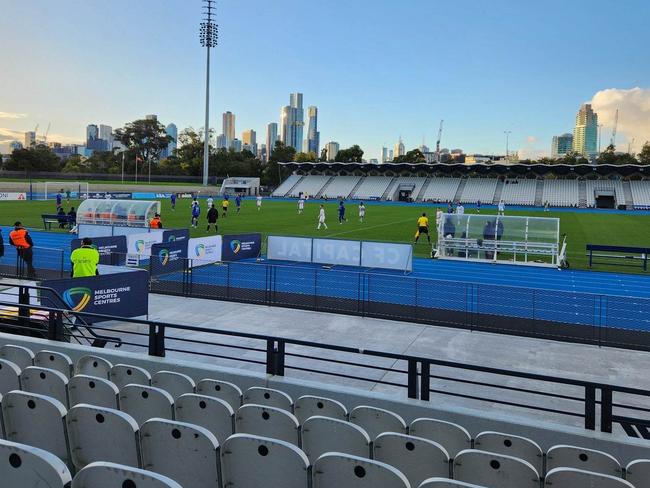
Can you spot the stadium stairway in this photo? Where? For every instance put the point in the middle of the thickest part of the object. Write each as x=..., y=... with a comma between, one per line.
x=627, y=191
x=459, y=192
x=322, y=190
x=356, y=187
x=423, y=191
x=498, y=192
x=539, y=193
x=389, y=188
x=582, y=194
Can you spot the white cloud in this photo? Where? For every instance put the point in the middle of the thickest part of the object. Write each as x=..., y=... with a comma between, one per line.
x=531, y=139
x=633, y=118
x=531, y=150
x=10, y=135
x=12, y=115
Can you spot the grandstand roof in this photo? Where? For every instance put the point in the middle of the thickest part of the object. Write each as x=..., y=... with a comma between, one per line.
x=537, y=169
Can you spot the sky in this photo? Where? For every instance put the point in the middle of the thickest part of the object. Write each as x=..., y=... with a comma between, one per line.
x=376, y=69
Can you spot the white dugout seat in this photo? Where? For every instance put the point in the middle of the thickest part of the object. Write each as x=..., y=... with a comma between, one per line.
x=23, y=466
x=9, y=376
x=578, y=478
x=110, y=475
x=94, y=366
x=20, y=356
x=323, y=434
x=511, y=445
x=494, y=470
x=176, y=384
x=638, y=472
x=54, y=360
x=334, y=470
x=46, y=382
x=445, y=483
x=268, y=422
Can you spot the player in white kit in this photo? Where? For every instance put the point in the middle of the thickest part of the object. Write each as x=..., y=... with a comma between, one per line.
x=259, y=202
x=321, y=218
x=362, y=212
x=301, y=205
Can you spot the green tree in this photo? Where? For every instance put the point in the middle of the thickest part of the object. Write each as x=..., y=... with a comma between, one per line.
x=414, y=156
x=36, y=158
x=644, y=155
x=145, y=137
x=303, y=157
x=75, y=164
x=273, y=173
x=352, y=154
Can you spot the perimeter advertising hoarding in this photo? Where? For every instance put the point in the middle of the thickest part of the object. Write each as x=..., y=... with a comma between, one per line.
x=334, y=251
x=289, y=248
x=171, y=235
x=168, y=257
x=141, y=244
x=242, y=246
x=204, y=250
x=13, y=196
x=387, y=256
x=106, y=247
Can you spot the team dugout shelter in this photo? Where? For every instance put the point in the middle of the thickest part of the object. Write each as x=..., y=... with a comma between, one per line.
x=123, y=213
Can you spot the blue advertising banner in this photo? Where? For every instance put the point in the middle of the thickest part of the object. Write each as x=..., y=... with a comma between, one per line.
x=171, y=235
x=120, y=294
x=168, y=257
x=242, y=246
x=107, y=246
x=116, y=195
x=150, y=196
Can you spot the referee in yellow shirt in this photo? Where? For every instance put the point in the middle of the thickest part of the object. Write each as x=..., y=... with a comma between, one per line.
x=85, y=260
x=423, y=228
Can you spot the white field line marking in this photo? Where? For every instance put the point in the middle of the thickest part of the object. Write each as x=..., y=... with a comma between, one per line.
x=367, y=228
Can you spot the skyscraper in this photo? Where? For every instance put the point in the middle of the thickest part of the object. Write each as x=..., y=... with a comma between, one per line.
x=399, y=149
x=106, y=137
x=313, y=136
x=249, y=140
x=151, y=117
x=172, y=131
x=384, y=154
x=229, y=126
x=562, y=145
x=271, y=138
x=292, y=122
x=30, y=139
x=222, y=141
x=332, y=149
x=585, y=133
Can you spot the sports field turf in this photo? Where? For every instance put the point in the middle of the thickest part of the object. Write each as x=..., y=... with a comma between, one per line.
x=395, y=223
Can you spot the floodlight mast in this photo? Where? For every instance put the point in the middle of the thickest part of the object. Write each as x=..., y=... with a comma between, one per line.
x=208, y=36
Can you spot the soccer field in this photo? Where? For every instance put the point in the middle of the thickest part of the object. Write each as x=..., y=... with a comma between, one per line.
x=394, y=223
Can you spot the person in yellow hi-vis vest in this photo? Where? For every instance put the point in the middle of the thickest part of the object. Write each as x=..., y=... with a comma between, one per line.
x=423, y=227
x=85, y=260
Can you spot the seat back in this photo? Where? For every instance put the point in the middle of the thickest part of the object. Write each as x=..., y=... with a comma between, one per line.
x=453, y=437
x=94, y=366
x=102, y=434
x=45, y=382
x=638, y=472
x=124, y=374
x=250, y=461
x=36, y=420
x=213, y=414
x=223, y=390
x=563, y=456
x=578, y=478
x=268, y=397
x=490, y=469
x=511, y=445
x=325, y=434
x=19, y=355
x=54, y=360
x=309, y=405
x=445, y=483
x=25, y=466
x=186, y=453
x=176, y=384
x=268, y=422
x=376, y=421
x=334, y=470
x=93, y=391
x=146, y=402
x=416, y=458
x=9, y=376
x=110, y=475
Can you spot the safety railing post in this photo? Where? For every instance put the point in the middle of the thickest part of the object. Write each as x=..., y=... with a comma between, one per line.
x=156, y=340
x=412, y=378
x=425, y=380
x=270, y=356
x=606, y=409
x=590, y=407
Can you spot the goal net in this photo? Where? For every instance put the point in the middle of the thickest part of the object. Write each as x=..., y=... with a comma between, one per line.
x=73, y=190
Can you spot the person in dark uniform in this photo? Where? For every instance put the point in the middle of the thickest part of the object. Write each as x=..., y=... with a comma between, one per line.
x=213, y=216
x=488, y=237
x=22, y=241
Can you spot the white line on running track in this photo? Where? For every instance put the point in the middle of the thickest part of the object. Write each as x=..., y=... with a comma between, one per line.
x=366, y=228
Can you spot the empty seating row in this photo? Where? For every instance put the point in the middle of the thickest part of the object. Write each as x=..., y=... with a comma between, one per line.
x=640, y=193
x=340, y=187
x=479, y=190
x=413, y=184
x=286, y=185
x=309, y=186
x=610, y=186
x=372, y=187
x=441, y=190
x=519, y=192
x=561, y=193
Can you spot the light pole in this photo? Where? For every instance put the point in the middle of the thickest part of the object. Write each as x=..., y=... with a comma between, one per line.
x=507, y=133
x=208, y=36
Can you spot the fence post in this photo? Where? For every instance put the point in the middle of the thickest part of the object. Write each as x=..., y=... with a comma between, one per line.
x=157, y=340
x=590, y=407
x=425, y=380
x=606, y=409
x=270, y=356
x=412, y=379
x=55, y=326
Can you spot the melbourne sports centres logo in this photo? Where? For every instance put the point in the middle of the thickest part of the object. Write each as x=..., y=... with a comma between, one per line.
x=77, y=298
x=163, y=255
x=139, y=245
x=171, y=238
x=235, y=246
x=199, y=250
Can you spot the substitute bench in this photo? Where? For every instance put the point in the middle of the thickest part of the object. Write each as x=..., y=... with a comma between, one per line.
x=49, y=219
x=617, y=252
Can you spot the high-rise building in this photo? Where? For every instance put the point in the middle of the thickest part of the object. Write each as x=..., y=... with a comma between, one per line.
x=562, y=145
x=384, y=154
x=92, y=138
x=172, y=131
x=151, y=117
x=292, y=122
x=249, y=137
x=391, y=155
x=271, y=138
x=424, y=148
x=332, y=149
x=14, y=145
x=106, y=137
x=229, y=126
x=399, y=148
x=30, y=139
x=222, y=141
x=236, y=145
x=585, y=133
x=313, y=136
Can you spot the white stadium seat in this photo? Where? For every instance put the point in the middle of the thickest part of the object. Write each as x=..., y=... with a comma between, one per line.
x=268, y=422
x=9, y=376
x=445, y=483
x=416, y=458
x=54, y=360
x=125, y=374
x=441, y=190
x=23, y=466
x=309, y=185
x=187, y=453
x=286, y=185
x=511, y=445
x=372, y=187
x=638, y=472
x=334, y=470
x=146, y=402
x=45, y=382
x=176, y=384
x=268, y=397
x=94, y=366
x=250, y=461
x=324, y=434
x=479, y=189
x=36, y=420
x=308, y=405
x=111, y=475
x=376, y=421
x=578, y=478
x=102, y=434
x=494, y=470
x=563, y=456
x=221, y=389
x=20, y=356
x=92, y=390
x=453, y=437
x=210, y=413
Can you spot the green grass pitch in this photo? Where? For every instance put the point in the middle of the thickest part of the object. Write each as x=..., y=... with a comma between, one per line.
x=383, y=223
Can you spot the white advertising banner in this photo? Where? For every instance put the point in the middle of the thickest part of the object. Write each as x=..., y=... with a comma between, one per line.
x=91, y=230
x=13, y=196
x=387, y=256
x=289, y=248
x=204, y=250
x=140, y=244
x=334, y=251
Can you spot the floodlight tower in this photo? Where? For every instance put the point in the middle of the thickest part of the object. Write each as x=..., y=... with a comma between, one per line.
x=208, y=36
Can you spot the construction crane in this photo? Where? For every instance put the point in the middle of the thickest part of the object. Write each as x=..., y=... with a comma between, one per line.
x=438, y=141
x=47, y=132
x=630, y=146
x=613, y=140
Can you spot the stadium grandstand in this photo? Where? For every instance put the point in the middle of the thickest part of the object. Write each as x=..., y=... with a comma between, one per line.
x=558, y=185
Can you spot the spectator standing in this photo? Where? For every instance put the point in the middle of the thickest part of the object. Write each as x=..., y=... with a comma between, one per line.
x=156, y=223
x=22, y=241
x=85, y=260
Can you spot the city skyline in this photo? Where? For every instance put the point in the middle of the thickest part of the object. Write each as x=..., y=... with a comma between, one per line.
x=481, y=83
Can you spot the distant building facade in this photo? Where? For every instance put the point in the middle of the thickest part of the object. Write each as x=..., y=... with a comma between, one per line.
x=312, y=144
x=562, y=145
x=292, y=122
x=585, y=133
x=332, y=149
x=271, y=138
x=399, y=149
x=229, y=126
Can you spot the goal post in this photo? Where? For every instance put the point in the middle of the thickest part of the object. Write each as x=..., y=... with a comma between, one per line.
x=75, y=190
